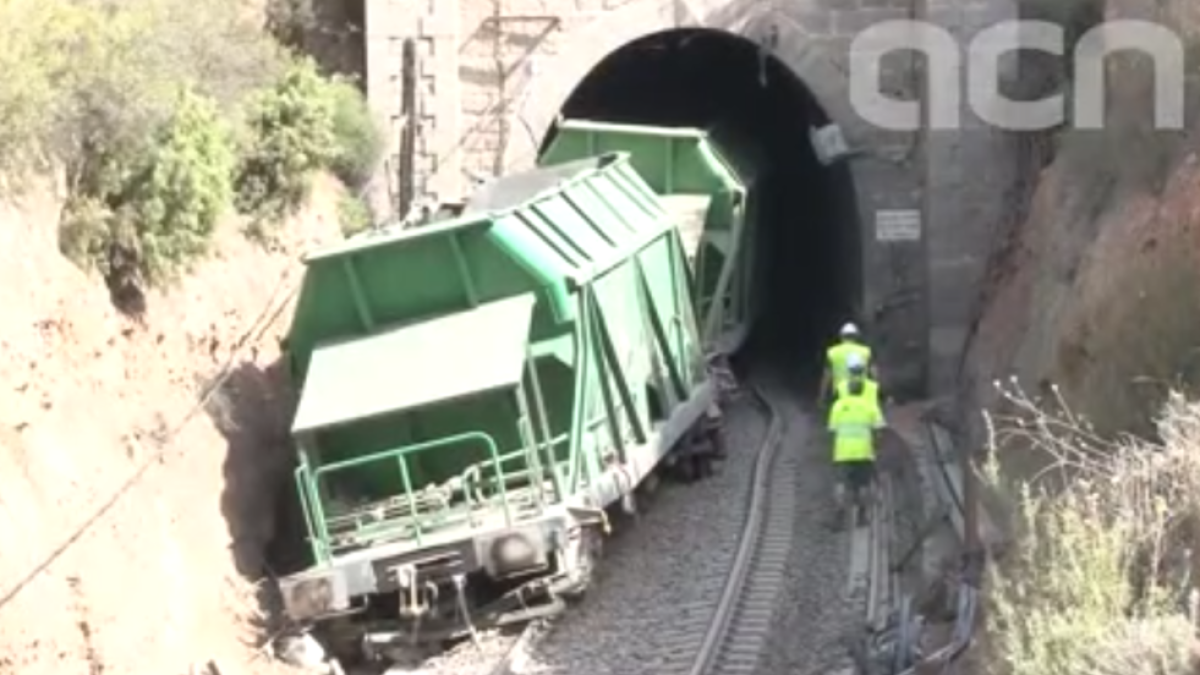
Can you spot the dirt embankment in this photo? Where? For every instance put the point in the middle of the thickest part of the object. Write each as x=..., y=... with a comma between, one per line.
x=89, y=398
x=1097, y=289
x=1102, y=303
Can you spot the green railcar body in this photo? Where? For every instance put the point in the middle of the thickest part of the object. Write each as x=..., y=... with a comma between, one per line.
x=475, y=391
x=705, y=179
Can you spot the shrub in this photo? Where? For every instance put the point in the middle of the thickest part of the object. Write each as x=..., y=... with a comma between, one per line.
x=301, y=124
x=359, y=138
x=93, y=87
x=88, y=78
x=31, y=65
x=146, y=215
x=354, y=215
x=1094, y=584
x=184, y=187
x=290, y=134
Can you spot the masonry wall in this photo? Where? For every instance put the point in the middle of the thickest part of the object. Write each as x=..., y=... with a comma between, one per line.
x=494, y=74
x=970, y=182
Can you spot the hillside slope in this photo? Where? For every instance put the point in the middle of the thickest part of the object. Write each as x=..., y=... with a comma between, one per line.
x=87, y=398
x=1102, y=305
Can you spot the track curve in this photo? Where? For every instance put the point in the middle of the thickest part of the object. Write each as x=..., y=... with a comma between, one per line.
x=742, y=620
x=732, y=632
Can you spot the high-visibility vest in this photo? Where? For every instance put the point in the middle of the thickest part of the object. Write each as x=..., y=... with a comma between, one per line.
x=870, y=389
x=853, y=421
x=839, y=355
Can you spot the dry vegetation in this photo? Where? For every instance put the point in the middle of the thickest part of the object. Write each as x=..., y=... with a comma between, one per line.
x=1105, y=503
x=1099, y=580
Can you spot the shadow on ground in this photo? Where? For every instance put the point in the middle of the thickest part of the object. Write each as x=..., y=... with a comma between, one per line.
x=252, y=410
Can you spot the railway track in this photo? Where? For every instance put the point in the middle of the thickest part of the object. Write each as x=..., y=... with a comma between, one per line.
x=694, y=625
x=742, y=620
x=728, y=638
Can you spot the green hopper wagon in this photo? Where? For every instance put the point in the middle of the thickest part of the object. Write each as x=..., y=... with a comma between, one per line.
x=475, y=392
x=708, y=189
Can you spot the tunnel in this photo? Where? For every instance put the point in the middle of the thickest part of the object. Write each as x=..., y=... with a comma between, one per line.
x=809, y=277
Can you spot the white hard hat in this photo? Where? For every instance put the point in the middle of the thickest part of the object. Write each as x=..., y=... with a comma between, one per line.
x=848, y=329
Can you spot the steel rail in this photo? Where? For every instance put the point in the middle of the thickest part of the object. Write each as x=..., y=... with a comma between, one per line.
x=741, y=620
x=881, y=577
x=763, y=548
x=750, y=555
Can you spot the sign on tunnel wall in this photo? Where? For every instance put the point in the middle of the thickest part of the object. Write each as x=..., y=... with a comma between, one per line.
x=897, y=225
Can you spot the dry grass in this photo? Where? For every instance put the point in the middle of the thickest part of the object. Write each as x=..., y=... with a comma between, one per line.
x=1097, y=580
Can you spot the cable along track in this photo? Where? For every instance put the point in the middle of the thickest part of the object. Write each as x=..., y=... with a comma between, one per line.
x=742, y=619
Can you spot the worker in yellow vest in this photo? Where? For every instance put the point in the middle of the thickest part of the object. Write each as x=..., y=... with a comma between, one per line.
x=855, y=420
x=856, y=368
x=837, y=358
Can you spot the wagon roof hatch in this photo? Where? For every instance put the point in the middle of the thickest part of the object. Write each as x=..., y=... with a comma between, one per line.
x=401, y=368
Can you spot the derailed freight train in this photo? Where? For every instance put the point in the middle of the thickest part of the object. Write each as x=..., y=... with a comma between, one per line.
x=475, y=392
x=705, y=179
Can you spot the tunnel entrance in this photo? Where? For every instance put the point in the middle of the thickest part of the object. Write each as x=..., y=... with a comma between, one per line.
x=809, y=280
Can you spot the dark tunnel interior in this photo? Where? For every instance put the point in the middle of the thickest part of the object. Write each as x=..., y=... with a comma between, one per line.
x=809, y=257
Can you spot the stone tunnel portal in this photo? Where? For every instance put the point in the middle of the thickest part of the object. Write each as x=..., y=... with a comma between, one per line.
x=757, y=108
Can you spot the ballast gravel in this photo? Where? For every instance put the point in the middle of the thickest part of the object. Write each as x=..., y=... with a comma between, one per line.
x=658, y=582
x=813, y=620
x=662, y=575
x=465, y=658
x=661, y=578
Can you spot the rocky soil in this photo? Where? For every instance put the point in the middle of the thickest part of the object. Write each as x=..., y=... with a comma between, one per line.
x=127, y=509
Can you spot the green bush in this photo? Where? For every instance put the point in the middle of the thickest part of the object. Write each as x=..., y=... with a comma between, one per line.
x=84, y=79
x=290, y=135
x=179, y=194
x=31, y=64
x=354, y=215
x=92, y=87
x=359, y=138
x=303, y=123
x=149, y=214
